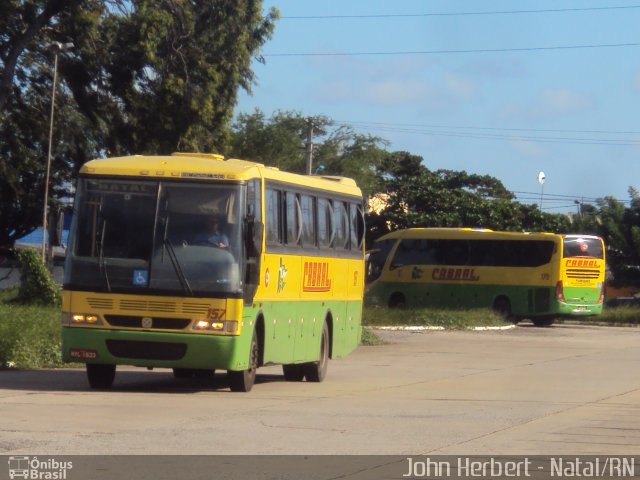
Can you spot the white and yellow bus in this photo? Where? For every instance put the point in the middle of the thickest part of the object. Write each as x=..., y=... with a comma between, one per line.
x=539, y=276
x=145, y=285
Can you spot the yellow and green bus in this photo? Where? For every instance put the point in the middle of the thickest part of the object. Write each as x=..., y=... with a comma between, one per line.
x=146, y=283
x=539, y=276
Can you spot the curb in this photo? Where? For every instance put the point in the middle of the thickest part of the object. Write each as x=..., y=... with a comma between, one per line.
x=427, y=328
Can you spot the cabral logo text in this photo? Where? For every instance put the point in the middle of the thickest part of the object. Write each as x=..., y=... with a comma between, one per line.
x=32, y=468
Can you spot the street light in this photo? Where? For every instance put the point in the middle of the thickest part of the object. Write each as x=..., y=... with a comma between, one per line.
x=57, y=48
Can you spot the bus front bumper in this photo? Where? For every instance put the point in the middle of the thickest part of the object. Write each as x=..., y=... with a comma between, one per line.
x=153, y=349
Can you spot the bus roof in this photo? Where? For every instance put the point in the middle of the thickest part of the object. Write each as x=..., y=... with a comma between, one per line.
x=461, y=233
x=207, y=166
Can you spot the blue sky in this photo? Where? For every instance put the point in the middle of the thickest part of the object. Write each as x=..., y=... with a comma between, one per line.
x=570, y=112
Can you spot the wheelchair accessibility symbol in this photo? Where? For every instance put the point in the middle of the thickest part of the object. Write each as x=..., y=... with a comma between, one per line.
x=140, y=278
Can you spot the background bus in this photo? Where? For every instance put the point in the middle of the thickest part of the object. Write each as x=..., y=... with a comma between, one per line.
x=534, y=275
x=144, y=286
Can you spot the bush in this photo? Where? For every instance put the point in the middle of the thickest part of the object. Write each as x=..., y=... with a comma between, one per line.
x=36, y=284
x=29, y=334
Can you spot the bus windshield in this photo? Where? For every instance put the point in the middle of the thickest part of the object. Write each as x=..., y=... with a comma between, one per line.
x=132, y=236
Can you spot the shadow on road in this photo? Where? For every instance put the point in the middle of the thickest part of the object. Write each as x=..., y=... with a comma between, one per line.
x=142, y=381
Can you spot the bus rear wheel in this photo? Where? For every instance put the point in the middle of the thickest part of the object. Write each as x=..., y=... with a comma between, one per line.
x=317, y=371
x=101, y=376
x=243, y=380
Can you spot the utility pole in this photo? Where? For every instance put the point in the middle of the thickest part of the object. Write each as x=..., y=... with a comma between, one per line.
x=308, y=147
x=57, y=48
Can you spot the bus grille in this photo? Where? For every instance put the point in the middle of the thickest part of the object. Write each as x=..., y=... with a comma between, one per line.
x=100, y=303
x=148, y=306
x=583, y=273
x=195, y=308
x=128, y=321
x=146, y=350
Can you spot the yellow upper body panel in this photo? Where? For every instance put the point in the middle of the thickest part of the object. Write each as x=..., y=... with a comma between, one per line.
x=466, y=233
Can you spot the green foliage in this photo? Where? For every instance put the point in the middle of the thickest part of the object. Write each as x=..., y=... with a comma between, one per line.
x=369, y=338
x=619, y=315
x=620, y=228
x=279, y=141
x=143, y=76
x=29, y=334
x=418, y=197
x=36, y=284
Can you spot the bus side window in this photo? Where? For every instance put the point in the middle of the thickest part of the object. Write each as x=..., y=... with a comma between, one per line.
x=274, y=216
x=308, y=206
x=325, y=223
x=357, y=226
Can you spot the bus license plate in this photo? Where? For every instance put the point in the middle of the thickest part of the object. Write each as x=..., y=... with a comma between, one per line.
x=83, y=354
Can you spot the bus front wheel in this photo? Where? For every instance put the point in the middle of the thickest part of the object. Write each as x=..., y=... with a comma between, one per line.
x=243, y=380
x=101, y=376
x=502, y=307
x=316, y=371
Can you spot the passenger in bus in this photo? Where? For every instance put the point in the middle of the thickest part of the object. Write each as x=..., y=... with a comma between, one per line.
x=214, y=235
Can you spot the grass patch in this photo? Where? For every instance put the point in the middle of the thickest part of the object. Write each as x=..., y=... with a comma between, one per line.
x=29, y=334
x=369, y=338
x=618, y=315
x=449, y=319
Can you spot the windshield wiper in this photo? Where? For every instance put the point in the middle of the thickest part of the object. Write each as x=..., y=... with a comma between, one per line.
x=177, y=267
x=102, y=264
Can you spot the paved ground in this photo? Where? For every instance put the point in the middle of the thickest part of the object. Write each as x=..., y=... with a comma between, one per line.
x=559, y=390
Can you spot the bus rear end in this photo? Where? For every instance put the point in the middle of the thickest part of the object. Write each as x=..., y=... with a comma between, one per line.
x=580, y=289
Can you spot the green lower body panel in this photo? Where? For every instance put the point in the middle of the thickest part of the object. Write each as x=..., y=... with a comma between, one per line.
x=523, y=301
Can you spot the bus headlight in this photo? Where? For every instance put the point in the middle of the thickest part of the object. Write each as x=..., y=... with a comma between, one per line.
x=81, y=319
x=218, y=326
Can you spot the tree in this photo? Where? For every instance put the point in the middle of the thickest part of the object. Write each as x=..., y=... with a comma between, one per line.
x=280, y=140
x=143, y=77
x=415, y=196
x=620, y=228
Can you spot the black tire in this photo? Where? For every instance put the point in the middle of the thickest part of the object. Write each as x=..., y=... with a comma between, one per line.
x=293, y=372
x=317, y=371
x=101, y=376
x=397, y=300
x=502, y=307
x=183, y=372
x=545, y=321
x=204, y=373
x=243, y=380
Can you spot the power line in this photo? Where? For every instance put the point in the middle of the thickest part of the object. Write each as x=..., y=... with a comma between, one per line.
x=494, y=136
x=437, y=52
x=509, y=129
x=457, y=14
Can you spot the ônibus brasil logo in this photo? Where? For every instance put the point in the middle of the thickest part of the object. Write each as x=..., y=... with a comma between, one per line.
x=32, y=468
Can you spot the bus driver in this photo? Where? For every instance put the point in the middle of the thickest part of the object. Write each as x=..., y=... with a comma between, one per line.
x=214, y=234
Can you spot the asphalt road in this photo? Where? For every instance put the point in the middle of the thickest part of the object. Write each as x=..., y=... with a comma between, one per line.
x=559, y=390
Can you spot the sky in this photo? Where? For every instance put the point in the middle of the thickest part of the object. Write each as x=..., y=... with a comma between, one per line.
x=507, y=88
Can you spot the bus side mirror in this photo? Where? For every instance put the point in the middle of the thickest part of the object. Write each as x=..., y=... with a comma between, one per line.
x=256, y=237
x=253, y=242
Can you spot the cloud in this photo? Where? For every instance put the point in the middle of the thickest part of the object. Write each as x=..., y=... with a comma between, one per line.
x=527, y=147
x=550, y=104
x=426, y=85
